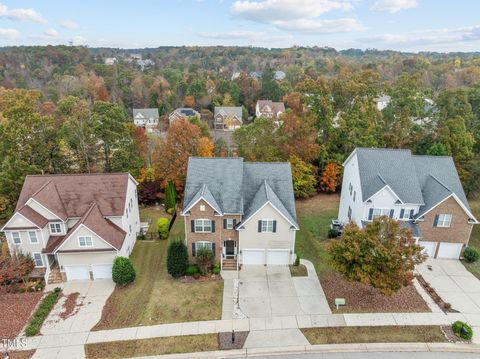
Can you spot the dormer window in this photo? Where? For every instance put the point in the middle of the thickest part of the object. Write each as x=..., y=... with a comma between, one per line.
x=55, y=228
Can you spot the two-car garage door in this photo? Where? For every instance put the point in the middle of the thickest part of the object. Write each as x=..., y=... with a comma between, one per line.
x=266, y=256
x=445, y=250
x=82, y=272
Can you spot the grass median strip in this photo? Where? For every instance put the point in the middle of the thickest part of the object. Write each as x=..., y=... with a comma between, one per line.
x=42, y=312
x=382, y=334
x=154, y=346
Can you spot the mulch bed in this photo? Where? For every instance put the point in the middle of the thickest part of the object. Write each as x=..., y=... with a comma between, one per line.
x=19, y=354
x=362, y=298
x=298, y=271
x=225, y=340
x=451, y=336
x=15, y=310
x=70, y=306
x=206, y=278
x=446, y=307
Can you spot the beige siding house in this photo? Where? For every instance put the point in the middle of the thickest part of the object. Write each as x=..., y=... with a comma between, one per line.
x=75, y=225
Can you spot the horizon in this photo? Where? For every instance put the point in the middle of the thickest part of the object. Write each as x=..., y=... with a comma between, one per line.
x=383, y=25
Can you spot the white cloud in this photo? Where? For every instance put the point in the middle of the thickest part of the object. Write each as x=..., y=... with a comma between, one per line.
x=267, y=11
x=426, y=37
x=9, y=34
x=51, y=33
x=21, y=14
x=393, y=6
x=244, y=35
x=69, y=24
x=321, y=26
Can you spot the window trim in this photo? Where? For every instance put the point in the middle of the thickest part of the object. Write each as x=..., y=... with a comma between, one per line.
x=205, y=244
x=228, y=221
x=200, y=225
x=382, y=210
x=443, y=221
x=30, y=237
x=267, y=222
x=86, y=245
x=41, y=258
x=19, y=238
x=54, y=224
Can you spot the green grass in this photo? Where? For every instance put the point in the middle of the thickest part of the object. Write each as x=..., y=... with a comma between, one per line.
x=154, y=346
x=156, y=298
x=474, y=268
x=385, y=334
x=41, y=313
x=153, y=213
x=314, y=216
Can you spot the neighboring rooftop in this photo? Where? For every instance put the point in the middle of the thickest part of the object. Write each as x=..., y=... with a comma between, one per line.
x=146, y=112
x=226, y=111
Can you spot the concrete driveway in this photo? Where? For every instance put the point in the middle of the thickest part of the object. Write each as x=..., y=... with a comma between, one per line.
x=87, y=309
x=453, y=283
x=272, y=292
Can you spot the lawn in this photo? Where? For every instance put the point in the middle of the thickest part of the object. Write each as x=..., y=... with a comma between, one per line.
x=386, y=334
x=154, y=346
x=474, y=268
x=314, y=216
x=155, y=297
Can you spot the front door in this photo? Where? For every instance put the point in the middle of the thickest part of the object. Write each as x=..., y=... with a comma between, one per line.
x=230, y=249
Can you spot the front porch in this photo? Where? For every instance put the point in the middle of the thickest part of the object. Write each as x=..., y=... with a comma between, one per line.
x=229, y=255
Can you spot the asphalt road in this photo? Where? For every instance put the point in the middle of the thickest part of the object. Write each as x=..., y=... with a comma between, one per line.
x=378, y=355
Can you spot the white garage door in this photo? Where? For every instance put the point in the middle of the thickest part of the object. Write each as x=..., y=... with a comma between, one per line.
x=428, y=248
x=77, y=272
x=278, y=257
x=102, y=271
x=449, y=250
x=253, y=256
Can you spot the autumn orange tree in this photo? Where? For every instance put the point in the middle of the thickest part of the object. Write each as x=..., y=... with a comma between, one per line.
x=298, y=137
x=382, y=255
x=330, y=178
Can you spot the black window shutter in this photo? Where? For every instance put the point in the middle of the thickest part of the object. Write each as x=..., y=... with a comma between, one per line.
x=213, y=226
x=274, y=226
x=435, y=222
x=225, y=223
x=194, y=252
x=259, y=226
x=193, y=225
x=411, y=214
x=391, y=213
x=234, y=222
x=402, y=212
x=213, y=248
x=370, y=214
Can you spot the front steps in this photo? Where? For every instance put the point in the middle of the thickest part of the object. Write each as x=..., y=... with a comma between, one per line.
x=55, y=276
x=229, y=264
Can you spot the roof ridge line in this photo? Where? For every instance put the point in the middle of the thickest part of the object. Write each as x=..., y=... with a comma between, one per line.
x=383, y=180
x=443, y=184
x=265, y=184
x=41, y=188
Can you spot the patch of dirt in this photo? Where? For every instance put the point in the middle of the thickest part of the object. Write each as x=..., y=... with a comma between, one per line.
x=451, y=336
x=15, y=311
x=362, y=298
x=206, y=278
x=298, y=271
x=70, y=306
x=225, y=340
x=321, y=200
x=19, y=354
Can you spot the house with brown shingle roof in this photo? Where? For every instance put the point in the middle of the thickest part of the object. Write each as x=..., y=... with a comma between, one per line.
x=269, y=109
x=75, y=225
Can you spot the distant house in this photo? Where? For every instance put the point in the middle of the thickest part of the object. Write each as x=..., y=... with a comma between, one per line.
x=429, y=108
x=256, y=74
x=383, y=102
x=424, y=193
x=227, y=118
x=183, y=112
x=110, y=61
x=146, y=118
x=145, y=63
x=279, y=75
x=269, y=109
x=235, y=75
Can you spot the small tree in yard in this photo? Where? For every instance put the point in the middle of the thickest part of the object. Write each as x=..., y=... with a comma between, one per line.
x=177, y=259
x=205, y=258
x=382, y=255
x=123, y=272
x=170, y=197
x=14, y=267
x=162, y=227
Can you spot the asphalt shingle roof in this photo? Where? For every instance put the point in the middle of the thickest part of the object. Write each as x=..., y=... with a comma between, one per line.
x=241, y=187
x=146, y=112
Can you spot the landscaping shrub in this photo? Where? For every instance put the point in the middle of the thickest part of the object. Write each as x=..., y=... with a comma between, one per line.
x=216, y=269
x=123, y=272
x=333, y=233
x=196, y=275
x=177, y=259
x=297, y=261
x=141, y=236
x=205, y=258
x=170, y=197
x=162, y=227
x=465, y=333
x=471, y=255
x=41, y=313
x=191, y=270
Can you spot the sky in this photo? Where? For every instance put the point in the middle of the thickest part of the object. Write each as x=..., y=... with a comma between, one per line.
x=405, y=25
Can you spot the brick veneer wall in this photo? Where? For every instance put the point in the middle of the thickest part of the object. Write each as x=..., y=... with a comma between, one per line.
x=217, y=237
x=459, y=230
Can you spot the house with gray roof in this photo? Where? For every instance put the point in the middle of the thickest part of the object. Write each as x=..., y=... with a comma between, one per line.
x=227, y=118
x=243, y=211
x=183, y=112
x=146, y=118
x=424, y=193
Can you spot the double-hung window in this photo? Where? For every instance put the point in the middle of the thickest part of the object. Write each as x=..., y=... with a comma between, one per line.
x=203, y=225
x=33, y=237
x=16, y=238
x=55, y=228
x=202, y=245
x=229, y=223
x=267, y=225
x=379, y=212
x=85, y=241
x=444, y=220
x=406, y=214
x=37, y=257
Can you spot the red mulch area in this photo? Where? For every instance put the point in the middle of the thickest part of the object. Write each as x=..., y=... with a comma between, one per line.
x=362, y=298
x=15, y=310
x=23, y=354
x=70, y=306
x=206, y=278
